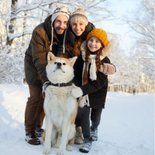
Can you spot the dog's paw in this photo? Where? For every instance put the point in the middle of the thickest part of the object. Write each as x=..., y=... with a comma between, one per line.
x=56, y=145
x=46, y=151
x=76, y=92
x=69, y=147
x=60, y=152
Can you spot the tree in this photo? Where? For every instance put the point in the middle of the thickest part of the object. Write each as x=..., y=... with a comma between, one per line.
x=144, y=25
x=38, y=10
x=12, y=21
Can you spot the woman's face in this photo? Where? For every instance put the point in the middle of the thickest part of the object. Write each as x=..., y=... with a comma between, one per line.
x=78, y=27
x=94, y=44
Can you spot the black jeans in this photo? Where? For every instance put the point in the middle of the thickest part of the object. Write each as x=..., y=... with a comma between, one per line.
x=95, y=118
x=83, y=120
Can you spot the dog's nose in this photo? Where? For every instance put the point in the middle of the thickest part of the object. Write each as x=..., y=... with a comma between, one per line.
x=58, y=64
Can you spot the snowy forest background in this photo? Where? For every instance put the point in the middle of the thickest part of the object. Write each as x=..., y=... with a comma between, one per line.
x=133, y=52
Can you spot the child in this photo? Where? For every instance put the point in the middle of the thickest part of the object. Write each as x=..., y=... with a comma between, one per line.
x=94, y=62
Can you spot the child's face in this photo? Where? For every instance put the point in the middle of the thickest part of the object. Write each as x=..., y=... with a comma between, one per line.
x=94, y=44
x=78, y=27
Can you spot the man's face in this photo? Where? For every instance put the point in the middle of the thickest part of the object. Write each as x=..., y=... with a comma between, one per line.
x=60, y=24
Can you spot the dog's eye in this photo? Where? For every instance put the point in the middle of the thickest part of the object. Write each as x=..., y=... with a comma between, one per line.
x=63, y=63
x=55, y=62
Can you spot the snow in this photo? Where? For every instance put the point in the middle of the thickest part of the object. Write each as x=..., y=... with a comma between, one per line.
x=127, y=124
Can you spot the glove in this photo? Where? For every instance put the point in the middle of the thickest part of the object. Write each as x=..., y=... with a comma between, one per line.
x=107, y=69
x=45, y=85
x=76, y=92
x=83, y=101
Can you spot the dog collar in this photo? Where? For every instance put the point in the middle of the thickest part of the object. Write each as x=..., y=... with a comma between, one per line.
x=62, y=84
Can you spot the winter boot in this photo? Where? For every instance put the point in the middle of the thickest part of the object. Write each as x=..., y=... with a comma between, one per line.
x=86, y=146
x=39, y=132
x=94, y=134
x=32, y=139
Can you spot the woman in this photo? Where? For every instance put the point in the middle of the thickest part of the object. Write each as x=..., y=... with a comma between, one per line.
x=77, y=32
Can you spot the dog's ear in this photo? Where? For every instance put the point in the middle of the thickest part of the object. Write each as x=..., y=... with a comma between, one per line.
x=72, y=60
x=50, y=56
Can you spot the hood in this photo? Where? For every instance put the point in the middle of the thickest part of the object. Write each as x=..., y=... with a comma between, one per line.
x=47, y=26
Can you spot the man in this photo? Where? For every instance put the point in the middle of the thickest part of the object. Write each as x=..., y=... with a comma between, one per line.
x=47, y=36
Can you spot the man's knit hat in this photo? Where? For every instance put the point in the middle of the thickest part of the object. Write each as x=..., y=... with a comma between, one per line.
x=100, y=34
x=60, y=11
x=80, y=12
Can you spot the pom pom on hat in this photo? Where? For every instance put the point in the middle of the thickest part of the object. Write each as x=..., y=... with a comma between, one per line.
x=100, y=34
x=60, y=11
x=80, y=13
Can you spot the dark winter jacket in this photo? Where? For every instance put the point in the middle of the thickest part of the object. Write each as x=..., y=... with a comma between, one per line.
x=36, y=55
x=97, y=89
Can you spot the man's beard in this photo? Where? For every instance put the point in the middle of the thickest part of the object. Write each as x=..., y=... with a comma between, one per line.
x=59, y=30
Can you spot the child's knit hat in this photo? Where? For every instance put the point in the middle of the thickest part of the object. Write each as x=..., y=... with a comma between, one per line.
x=100, y=34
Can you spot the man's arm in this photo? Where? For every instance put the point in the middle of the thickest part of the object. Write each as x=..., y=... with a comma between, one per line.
x=39, y=54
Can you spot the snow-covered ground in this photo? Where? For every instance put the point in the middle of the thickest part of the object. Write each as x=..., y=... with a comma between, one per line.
x=127, y=125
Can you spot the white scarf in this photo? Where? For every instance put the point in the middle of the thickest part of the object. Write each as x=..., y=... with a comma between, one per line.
x=92, y=75
x=92, y=70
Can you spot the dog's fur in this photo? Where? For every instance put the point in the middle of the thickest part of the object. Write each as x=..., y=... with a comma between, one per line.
x=59, y=106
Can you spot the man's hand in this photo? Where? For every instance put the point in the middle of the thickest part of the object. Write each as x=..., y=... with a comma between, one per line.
x=45, y=85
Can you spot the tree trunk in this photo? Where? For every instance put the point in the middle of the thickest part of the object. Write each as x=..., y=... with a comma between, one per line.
x=11, y=23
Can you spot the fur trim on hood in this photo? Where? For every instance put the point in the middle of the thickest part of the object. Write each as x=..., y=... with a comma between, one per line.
x=105, y=52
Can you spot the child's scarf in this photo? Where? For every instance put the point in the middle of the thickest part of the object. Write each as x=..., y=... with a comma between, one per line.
x=91, y=70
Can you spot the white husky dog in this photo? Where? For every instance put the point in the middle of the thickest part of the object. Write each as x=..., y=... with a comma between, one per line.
x=59, y=105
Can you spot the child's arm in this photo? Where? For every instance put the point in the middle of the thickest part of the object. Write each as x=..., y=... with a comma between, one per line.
x=91, y=86
x=107, y=68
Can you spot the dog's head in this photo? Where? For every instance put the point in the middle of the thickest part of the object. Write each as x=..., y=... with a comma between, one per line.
x=58, y=69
